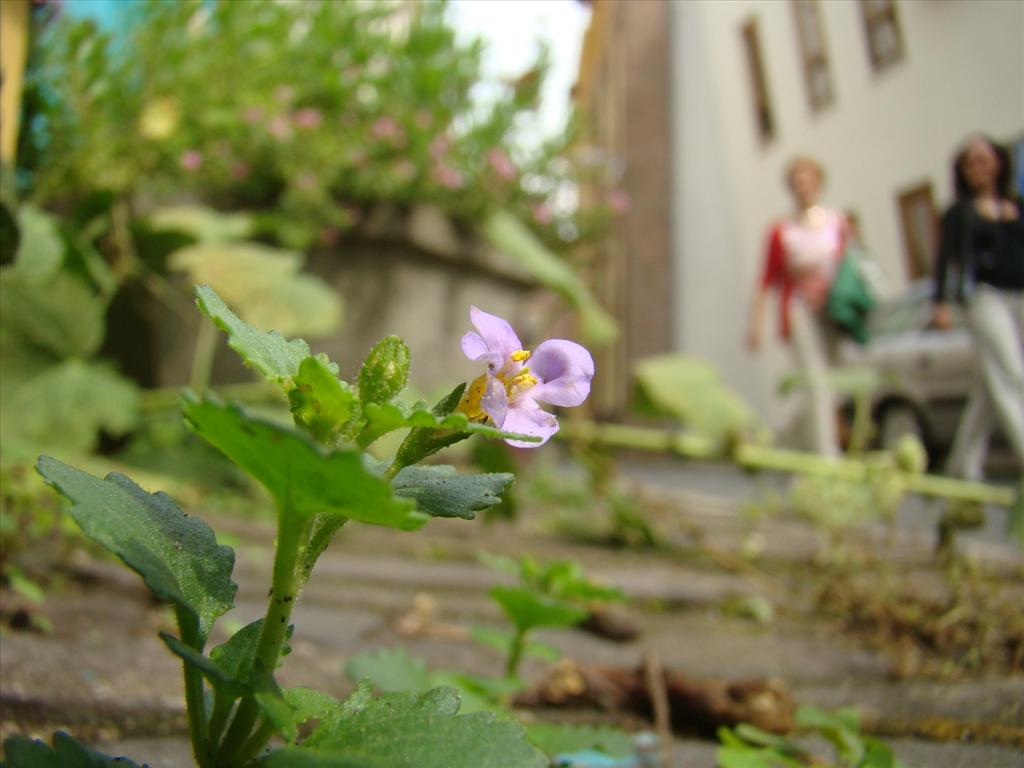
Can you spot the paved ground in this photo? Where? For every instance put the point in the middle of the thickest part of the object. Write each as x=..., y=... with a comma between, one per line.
x=123, y=690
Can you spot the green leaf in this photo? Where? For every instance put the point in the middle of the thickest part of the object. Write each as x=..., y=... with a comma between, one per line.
x=528, y=609
x=320, y=402
x=40, y=247
x=310, y=704
x=691, y=391
x=390, y=670
x=303, y=477
x=264, y=285
x=753, y=757
x=385, y=371
x=501, y=641
x=387, y=417
x=81, y=398
x=61, y=316
x=229, y=665
x=511, y=236
x=23, y=752
x=441, y=491
x=432, y=431
x=205, y=225
x=177, y=556
x=402, y=730
x=557, y=738
x=273, y=704
x=270, y=353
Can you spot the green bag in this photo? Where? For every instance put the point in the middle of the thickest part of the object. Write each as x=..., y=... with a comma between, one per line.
x=850, y=299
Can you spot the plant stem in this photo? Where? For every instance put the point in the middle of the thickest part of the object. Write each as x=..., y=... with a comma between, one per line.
x=195, y=701
x=256, y=742
x=515, y=653
x=218, y=719
x=284, y=589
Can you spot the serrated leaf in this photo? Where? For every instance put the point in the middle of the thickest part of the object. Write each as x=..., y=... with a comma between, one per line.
x=556, y=738
x=310, y=704
x=320, y=402
x=264, y=285
x=390, y=670
x=385, y=371
x=23, y=752
x=302, y=476
x=275, y=357
x=61, y=316
x=229, y=665
x=177, y=556
x=40, y=247
x=81, y=399
x=441, y=491
x=401, y=730
x=527, y=609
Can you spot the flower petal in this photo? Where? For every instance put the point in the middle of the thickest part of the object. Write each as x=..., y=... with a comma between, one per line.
x=526, y=418
x=475, y=348
x=564, y=370
x=496, y=333
x=495, y=401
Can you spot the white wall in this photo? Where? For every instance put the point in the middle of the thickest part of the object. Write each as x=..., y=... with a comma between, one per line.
x=963, y=70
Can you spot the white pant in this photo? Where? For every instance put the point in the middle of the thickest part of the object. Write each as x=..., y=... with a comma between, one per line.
x=810, y=347
x=996, y=319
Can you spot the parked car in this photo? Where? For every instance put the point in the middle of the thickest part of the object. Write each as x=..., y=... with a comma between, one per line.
x=925, y=374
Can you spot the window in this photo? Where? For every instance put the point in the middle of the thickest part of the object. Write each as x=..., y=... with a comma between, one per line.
x=920, y=229
x=817, y=77
x=882, y=30
x=763, y=114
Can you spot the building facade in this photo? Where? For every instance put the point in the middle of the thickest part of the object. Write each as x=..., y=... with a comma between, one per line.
x=881, y=91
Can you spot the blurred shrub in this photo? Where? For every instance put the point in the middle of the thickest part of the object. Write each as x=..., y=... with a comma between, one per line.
x=306, y=112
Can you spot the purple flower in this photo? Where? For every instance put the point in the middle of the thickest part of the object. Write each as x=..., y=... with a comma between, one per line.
x=559, y=374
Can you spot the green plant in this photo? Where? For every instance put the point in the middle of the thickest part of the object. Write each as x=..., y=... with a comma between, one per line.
x=748, y=747
x=554, y=594
x=320, y=476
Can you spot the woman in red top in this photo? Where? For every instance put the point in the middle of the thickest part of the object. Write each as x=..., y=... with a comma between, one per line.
x=803, y=254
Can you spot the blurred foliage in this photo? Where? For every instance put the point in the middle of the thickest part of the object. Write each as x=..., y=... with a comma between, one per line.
x=305, y=112
x=691, y=392
x=54, y=393
x=748, y=747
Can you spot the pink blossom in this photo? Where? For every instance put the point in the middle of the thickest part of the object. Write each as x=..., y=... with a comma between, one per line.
x=279, y=127
x=308, y=118
x=447, y=177
x=542, y=214
x=253, y=114
x=385, y=128
x=508, y=393
x=439, y=146
x=618, y=201
x=501, y=163
x=191, y=159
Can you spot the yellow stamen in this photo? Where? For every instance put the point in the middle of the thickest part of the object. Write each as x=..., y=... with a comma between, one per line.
x=520, y=356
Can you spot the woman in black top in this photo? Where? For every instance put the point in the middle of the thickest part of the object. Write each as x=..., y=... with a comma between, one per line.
x=981, y=264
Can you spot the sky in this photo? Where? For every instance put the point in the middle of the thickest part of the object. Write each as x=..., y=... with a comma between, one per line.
x=511, y=30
